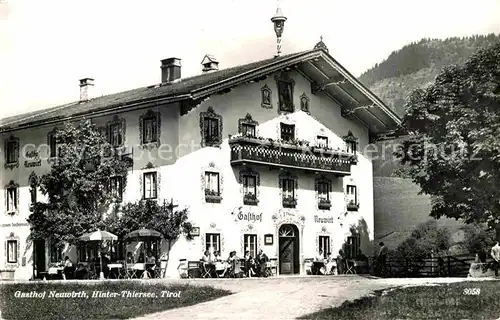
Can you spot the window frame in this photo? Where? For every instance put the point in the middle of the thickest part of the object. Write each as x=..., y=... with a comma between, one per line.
x=209, y=239
x=246, y=188
x=58, y=254
x=15, y=253
x=355, y=193
x=283, y=133
x=112, y=188
x=247, y=243
x=154, y=190
x=323, y=185
x=12, y=190
x=119, y=136
x=322, y=240
x=208, y=185
x=321, y=138
x=11, y=156
x=286, y=183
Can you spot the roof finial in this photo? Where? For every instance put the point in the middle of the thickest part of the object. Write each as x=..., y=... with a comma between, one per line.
x=321, y=45
x=279, y=23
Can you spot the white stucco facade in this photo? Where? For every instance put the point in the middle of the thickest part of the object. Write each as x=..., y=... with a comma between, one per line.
x=181, y=176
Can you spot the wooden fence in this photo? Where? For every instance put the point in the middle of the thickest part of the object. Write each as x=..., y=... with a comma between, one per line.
x=447, y=266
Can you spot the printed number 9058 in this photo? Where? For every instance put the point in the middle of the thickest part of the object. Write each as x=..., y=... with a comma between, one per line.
x=472, y=291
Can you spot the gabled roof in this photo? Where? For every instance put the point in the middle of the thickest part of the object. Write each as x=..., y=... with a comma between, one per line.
x=316, y=65
x=209, y=58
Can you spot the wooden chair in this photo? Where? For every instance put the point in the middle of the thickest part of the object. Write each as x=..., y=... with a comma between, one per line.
x=205, y=272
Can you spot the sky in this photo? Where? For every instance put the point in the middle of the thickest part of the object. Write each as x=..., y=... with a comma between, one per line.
x=46, y=46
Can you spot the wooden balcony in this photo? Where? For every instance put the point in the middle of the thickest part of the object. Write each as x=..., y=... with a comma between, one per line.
x=271, y=153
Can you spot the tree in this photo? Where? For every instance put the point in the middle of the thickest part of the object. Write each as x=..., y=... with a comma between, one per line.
x=149, y=214
x=425, y=239
x=453, y=148
x=77, y=185
x=477, y=239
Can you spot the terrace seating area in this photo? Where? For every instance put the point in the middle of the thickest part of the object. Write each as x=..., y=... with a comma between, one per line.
x=236, y=268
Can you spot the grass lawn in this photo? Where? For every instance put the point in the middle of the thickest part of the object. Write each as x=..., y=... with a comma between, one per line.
x=449, y=301
x=123, y=305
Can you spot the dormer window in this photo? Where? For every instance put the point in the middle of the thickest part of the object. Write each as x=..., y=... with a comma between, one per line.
x=287, y=132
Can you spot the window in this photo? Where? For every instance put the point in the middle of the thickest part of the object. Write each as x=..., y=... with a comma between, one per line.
x=116, y=135
x=211, y=131
x=323, y=190
x=12, y=152
x=212, y=240
x=33, y=192
x=287, y=132
x=250, y=244
x=149, y=130
x=351, y=147
x=352, y=197
x=116, y=187
x=322, y=141
x=352, y=246
x=288, y=188
x=11, y=199
x=285, y=93
x=249, y=185
x=55, y=253
x=212, y=185
x=52, y=144
x=12, y=251
x=248, y=130
x=150, y=185
x=324, y=245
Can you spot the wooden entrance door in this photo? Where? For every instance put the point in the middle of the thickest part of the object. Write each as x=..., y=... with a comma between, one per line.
x=288, y=249
x=39, y=264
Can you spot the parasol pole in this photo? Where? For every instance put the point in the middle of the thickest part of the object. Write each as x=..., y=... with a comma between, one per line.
x=101, y=274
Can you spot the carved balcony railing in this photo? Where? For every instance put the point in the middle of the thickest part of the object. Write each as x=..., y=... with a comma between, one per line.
x=278, y=154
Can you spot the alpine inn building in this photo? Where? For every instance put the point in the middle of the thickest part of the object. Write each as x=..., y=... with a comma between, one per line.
x=267, y=155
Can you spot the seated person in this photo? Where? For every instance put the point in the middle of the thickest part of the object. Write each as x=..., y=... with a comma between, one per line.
x=249, y=264
x=362, y=262
x=206, y=257
x=150, y=259
x=130, y=258
x=331, y=264
x=81, y=271
x=217, y=256
x=68, y=268
x=318, y=263
x=261, y=260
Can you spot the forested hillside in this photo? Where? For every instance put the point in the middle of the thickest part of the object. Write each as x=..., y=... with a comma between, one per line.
x=417, y=64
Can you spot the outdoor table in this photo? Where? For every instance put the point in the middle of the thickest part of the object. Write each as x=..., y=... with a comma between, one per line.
x=114, y=268
x=56, y=271
x=221, y=268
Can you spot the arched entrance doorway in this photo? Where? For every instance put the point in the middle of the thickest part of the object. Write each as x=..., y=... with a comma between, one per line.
x=289, y=249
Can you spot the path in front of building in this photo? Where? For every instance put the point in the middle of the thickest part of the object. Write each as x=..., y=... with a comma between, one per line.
x=285, y=297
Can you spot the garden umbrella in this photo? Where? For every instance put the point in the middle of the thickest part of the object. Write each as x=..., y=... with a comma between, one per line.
x=143, y=233
x=99, y=235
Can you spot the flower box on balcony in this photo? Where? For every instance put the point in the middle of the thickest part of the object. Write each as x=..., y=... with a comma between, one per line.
x=324, y=204
x=250, y=199
x=289, y=202
x=352, y=206
x=212, y=196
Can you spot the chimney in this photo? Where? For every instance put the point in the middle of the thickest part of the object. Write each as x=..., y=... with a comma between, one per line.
x=209, y=63
x=170, y=70
x=86, y=85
